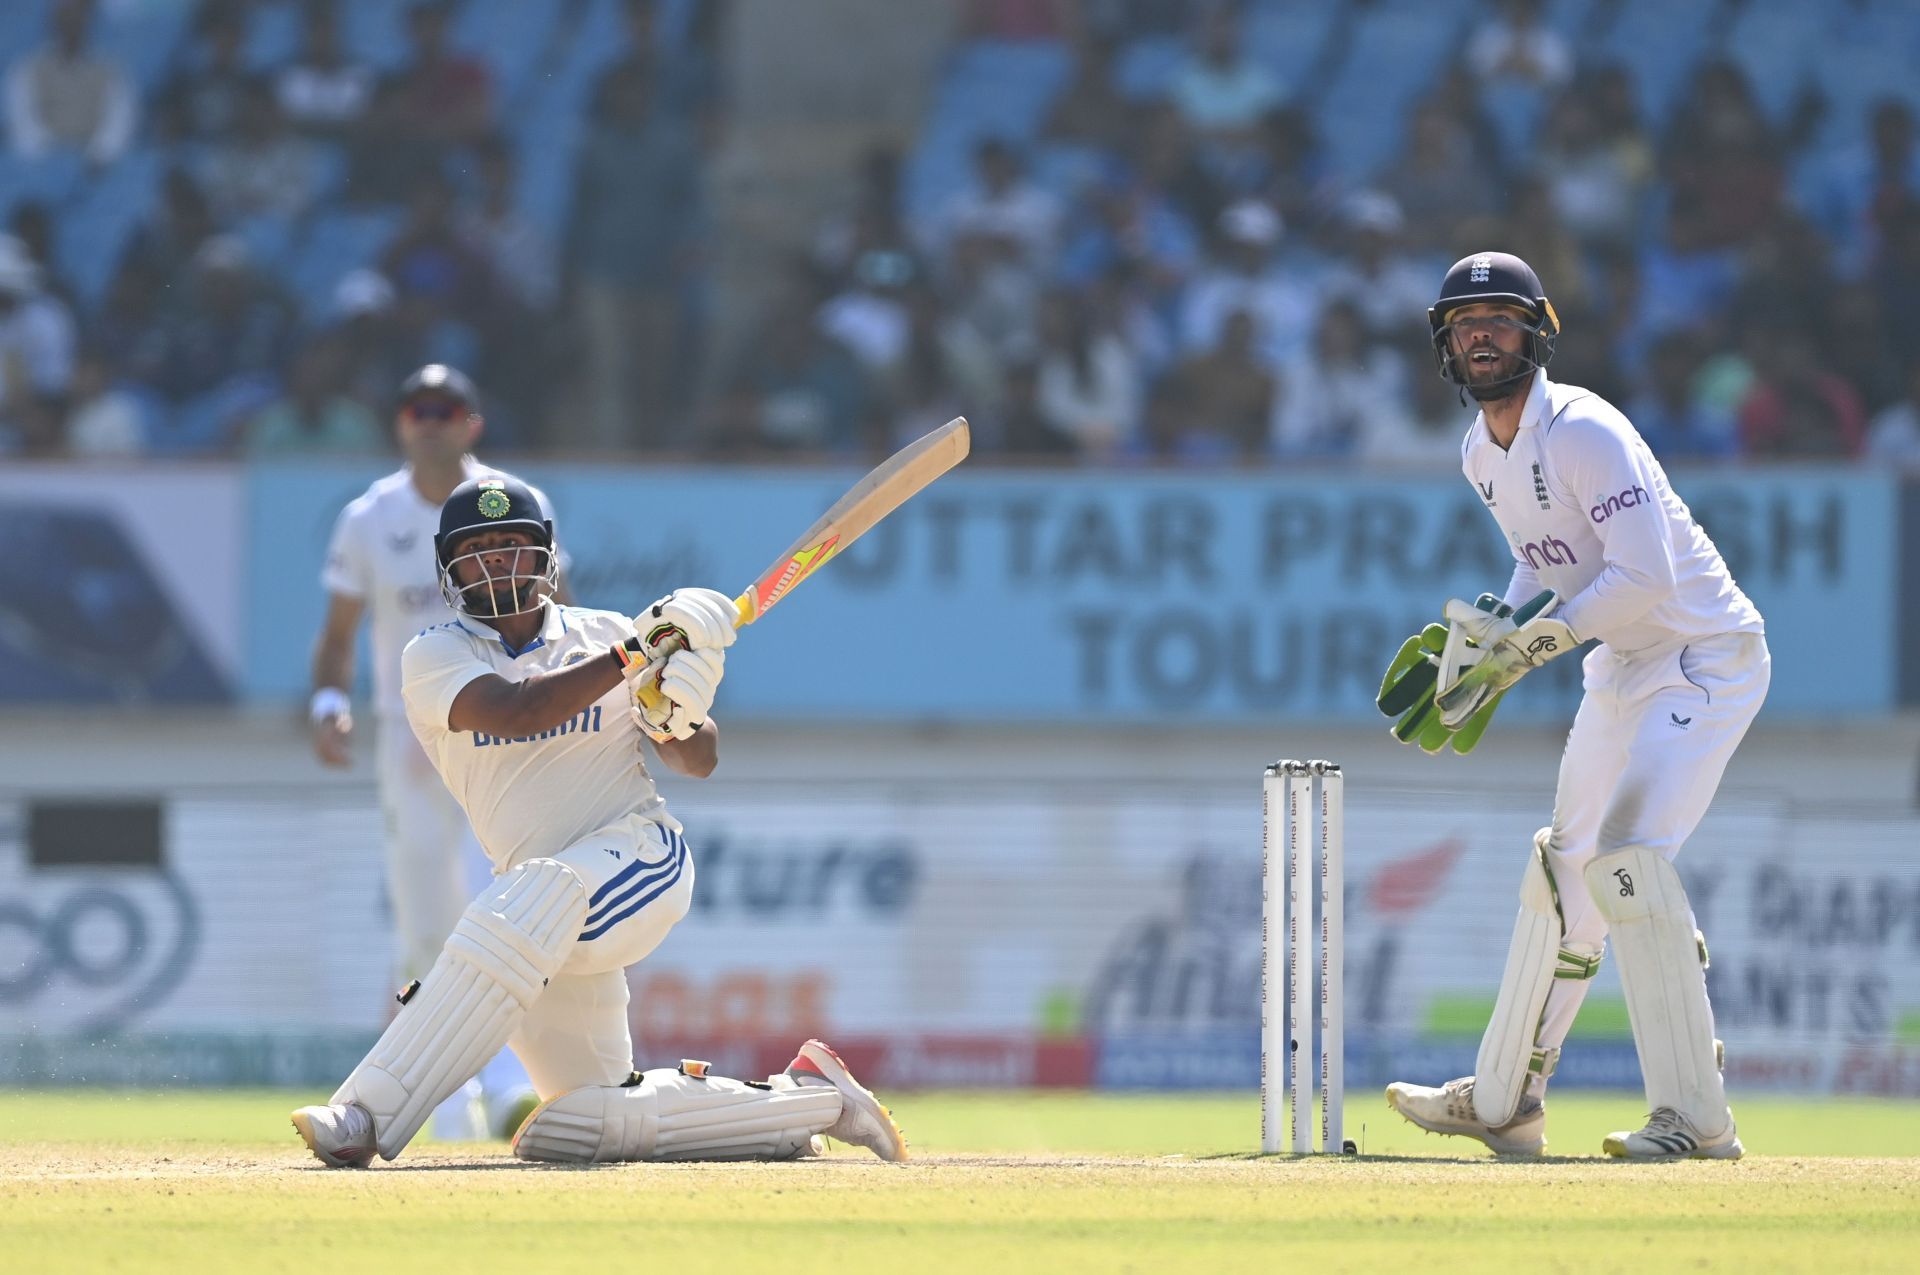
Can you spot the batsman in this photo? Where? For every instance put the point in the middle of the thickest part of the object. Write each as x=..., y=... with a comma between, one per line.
x=1605, y=552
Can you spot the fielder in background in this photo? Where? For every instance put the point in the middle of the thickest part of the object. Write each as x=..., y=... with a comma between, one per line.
x=380, y=561
x=531, y=713
x=1604, y=551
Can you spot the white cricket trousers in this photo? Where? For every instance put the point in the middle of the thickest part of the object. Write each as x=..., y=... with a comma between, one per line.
x=1648, y=747
x=639, y=877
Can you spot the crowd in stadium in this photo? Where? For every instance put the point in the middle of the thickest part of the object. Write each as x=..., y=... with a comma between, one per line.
x=1187, y=273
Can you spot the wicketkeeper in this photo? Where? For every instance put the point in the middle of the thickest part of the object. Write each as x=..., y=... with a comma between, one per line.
x=1604, y=551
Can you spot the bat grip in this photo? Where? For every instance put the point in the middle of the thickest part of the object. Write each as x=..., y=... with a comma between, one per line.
x=646, y=683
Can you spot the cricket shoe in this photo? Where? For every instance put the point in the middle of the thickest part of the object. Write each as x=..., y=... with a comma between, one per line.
x=863, y=1121
x=1449, y=1110
x=340, y=1136
x=1671, y=1136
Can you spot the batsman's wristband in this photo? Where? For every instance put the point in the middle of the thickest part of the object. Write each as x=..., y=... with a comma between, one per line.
x=329, y=701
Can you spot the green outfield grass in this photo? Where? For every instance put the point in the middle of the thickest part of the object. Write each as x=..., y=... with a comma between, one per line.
x=204, y=1182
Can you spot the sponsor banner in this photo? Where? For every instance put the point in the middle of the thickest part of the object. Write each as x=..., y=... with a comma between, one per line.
x=998, y=933
x=121, y=586
x=247, y=914
x=1135, y=595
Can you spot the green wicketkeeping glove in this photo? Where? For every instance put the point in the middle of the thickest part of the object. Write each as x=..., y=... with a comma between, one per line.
x=1406, y=692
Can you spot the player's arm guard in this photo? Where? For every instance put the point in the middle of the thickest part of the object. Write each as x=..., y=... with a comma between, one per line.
x=1511, y=647
x=1407, y=690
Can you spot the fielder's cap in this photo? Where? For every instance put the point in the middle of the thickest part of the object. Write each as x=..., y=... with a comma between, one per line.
x=439, y=378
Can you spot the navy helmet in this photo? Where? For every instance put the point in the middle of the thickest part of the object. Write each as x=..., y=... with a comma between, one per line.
x=493, y=502
x=1494, y=278
x=443, y=380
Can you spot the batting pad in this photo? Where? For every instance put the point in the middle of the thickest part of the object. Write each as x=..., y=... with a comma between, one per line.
x=670, y=1116
x=1664, y=977
x=495, y=964
x=1508, y=1056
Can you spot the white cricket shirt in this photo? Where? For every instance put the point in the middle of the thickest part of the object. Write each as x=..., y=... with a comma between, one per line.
x=1588, y=513
x=534, y=796
x=382, y=554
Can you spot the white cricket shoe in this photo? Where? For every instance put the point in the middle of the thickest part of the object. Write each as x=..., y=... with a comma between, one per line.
x=1671, y=1136
x=1449, y=1110
x=863, y=1121
x=340, y=1137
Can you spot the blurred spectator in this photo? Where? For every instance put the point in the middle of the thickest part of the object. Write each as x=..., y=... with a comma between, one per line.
x=1896, y=278
x=1536, y=235
x=633, y=242
x=1596, y=181
x=1342, y=390
x=872, y=224
x=1130, y=223
x=64, y=98
x=1219, y=89
x=1023, y=426
x=322, y=92
x=32, y=225
x=437, y=278
x=175, y=228
x=1855, y=343
x=363, y=314
x=1852, y=191
x=686, y=76
x=1796, y=408
x=796, y=389
x=1428, y=432
x=947, y=370
x=1668, y=411
x=1390, y=290
x=1518, y=46
x=871, y=318
x=224, y=331
x=261, y=168
x=37, y=341
x=316, y=417
x=438, y=101
x=1016, y=19
x=1894, y=437
x=1089, y=387
x=210, y=89
x=1246, y=277
x=513, y=245
x=1218, y=404
x=1164, y=160
x=105, y=420
x=1440, y=186
x=1012, y=218
x=1722, y=160
x=1291, y=172
x=1091, y=110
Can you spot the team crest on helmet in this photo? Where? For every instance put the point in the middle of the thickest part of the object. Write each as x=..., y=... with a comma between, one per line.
x=1481, y=269
x=494, y=501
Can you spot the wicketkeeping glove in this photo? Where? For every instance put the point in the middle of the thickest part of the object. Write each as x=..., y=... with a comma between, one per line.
x=1509, y=649
x=1406, y=692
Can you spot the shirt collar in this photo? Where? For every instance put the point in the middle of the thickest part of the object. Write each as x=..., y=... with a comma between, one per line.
x=552, y=629
x=1533, y=414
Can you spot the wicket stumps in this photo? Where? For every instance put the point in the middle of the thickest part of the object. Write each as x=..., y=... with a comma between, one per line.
x=1298, y=796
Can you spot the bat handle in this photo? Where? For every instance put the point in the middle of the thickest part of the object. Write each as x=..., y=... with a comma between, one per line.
x=647, y=684
x=646, y=687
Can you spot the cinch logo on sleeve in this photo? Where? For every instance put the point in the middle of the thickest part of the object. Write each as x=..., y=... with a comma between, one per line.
x=1634, y=495
x=1552, y=551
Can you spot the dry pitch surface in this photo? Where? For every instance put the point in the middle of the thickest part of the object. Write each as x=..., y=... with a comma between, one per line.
x=216, y=1182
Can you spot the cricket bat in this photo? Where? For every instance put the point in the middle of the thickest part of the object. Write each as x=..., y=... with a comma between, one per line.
x=891, y=483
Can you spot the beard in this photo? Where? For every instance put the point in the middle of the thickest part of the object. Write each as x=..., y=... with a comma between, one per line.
x=1501, y=379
